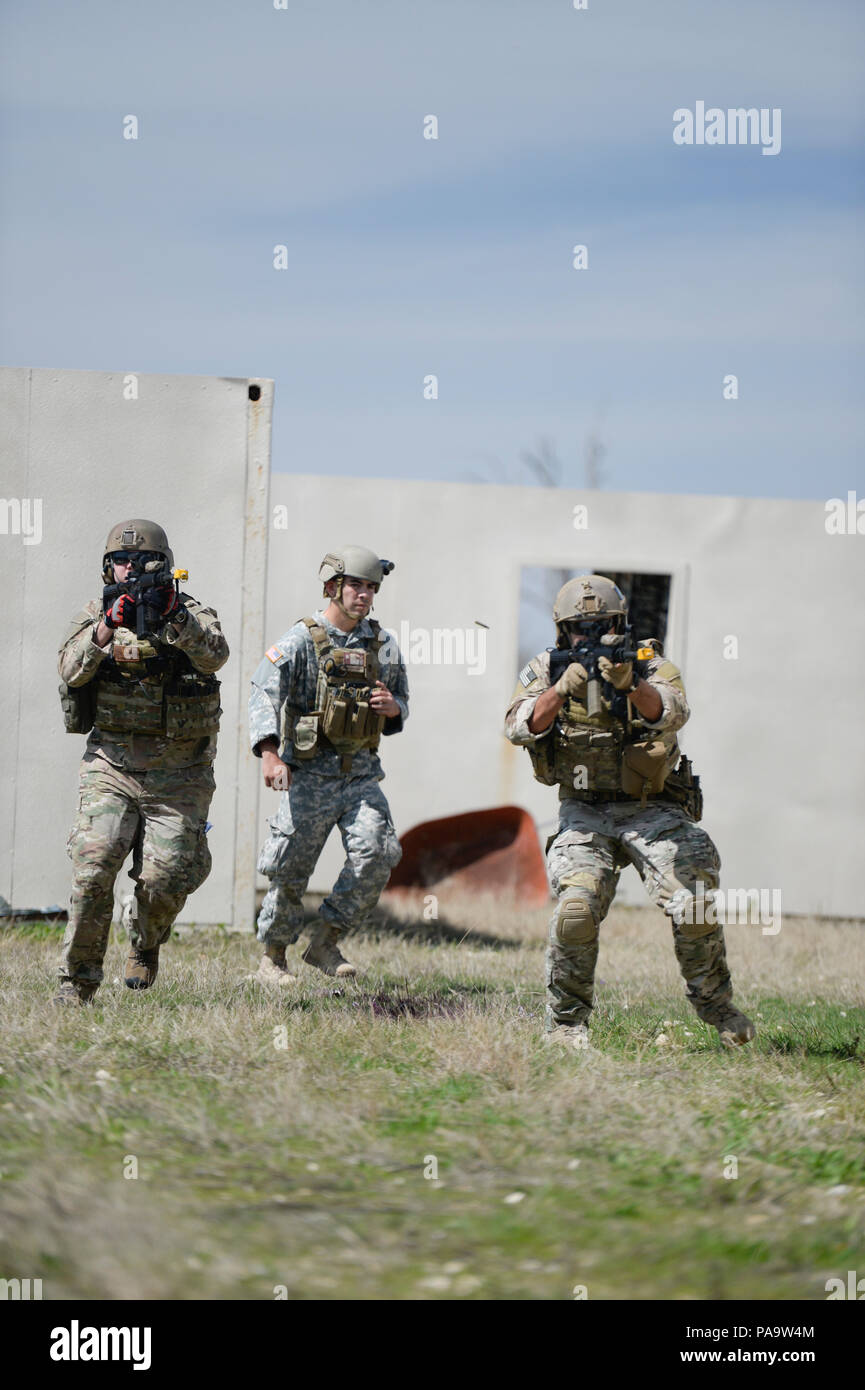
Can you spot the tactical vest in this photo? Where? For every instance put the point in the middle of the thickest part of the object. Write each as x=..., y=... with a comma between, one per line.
x=603, y=756
x=343, y=719
x=143, y=690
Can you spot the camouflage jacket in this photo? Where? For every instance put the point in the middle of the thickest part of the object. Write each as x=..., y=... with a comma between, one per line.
x=81, y=660
x=285, y=680
x=661, y=674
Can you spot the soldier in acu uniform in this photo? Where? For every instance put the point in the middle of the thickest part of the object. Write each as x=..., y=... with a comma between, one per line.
x=321, y=699
x=146, y=690
x=623, y=800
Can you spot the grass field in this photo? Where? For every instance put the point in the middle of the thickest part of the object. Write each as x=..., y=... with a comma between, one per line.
x=287, y=1140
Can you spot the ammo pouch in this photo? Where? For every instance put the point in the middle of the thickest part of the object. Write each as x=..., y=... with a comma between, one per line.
x=175, y=702
x=344, y=686
x=343, y=719
x=593, y=747
x=683, y=787
x=644, y=768
x=78, y=705
x=192, y=706
x=598, y=750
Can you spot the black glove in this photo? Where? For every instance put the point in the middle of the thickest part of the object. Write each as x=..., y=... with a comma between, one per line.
x=169, y=602
x=161, y=606
x=121, y=613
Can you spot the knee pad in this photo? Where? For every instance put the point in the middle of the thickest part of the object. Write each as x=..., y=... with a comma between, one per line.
x=573, y=922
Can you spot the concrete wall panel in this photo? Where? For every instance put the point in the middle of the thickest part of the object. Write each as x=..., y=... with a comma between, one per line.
x=775, y=736
x=193, y=454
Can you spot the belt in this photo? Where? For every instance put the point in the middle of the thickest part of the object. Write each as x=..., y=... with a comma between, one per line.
x=595, y=797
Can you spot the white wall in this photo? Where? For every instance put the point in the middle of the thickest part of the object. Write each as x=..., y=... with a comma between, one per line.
x=193, y=454
x=775, y=735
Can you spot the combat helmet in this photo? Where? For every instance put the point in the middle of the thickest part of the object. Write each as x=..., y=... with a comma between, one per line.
x=135, y=535
x=355, y=560
x=591, y=596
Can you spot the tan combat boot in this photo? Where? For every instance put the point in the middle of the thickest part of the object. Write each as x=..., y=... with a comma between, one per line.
x=75, y=992
x=142, y=967
x=324, y=953
x=273, y=970
x=735, y=1029
x=570, y=1035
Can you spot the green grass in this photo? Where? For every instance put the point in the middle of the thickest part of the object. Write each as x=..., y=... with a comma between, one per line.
x=302, y=1165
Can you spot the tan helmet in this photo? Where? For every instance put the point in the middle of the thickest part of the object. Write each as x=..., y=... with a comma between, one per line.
x=355, y=560
x=135, y=535
x=590, y=596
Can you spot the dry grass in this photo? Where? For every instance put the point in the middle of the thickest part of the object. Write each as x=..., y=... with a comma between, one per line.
x=282, y=1140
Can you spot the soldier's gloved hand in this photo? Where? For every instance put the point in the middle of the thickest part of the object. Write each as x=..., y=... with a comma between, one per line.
x=573, y=682
x=620, y=674
x=121, y=613
x=169, y=602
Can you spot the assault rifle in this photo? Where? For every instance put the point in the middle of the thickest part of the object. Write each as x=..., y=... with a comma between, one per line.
x=594, y=643
x=143, y=584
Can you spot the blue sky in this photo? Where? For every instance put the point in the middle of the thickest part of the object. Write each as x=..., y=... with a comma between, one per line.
x=406, y=256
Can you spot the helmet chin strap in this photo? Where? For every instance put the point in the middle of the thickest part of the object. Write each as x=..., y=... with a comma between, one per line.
x=336, y=600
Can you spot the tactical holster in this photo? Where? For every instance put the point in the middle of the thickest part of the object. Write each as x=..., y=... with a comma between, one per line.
x=683, y=787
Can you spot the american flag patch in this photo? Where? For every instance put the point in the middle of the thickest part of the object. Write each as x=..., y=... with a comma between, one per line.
x=273, y=654
x=527, y=674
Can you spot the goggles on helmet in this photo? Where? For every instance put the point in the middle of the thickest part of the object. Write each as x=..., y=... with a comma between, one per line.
x=125, y=557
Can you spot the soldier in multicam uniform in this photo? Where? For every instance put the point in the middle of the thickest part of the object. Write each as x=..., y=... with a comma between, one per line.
x=616, y=773
x=321, y=698
x=146, y=781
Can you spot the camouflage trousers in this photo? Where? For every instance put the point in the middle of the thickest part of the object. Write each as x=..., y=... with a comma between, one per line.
x=671, y=854
x=307, y=813
x=160, y=816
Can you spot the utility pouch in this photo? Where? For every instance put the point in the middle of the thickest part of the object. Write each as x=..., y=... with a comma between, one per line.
x=683, y=787
x=543, y=758
x=78, y=707
x=644, y=768
x=304, y=739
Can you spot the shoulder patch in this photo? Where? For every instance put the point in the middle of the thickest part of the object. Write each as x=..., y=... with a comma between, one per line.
x=275, y=655
x=666, y=671
x=528, y=674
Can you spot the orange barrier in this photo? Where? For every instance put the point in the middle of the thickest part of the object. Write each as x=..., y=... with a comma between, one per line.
x=494, y=851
